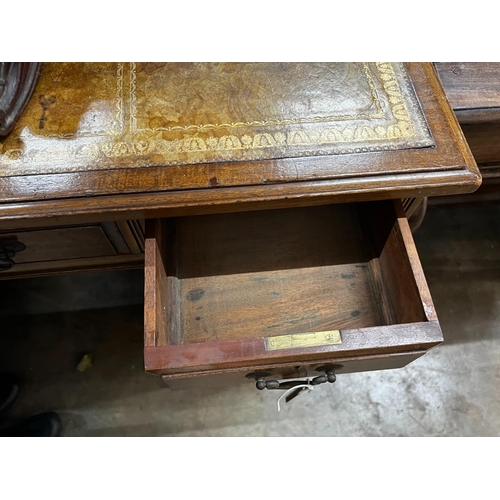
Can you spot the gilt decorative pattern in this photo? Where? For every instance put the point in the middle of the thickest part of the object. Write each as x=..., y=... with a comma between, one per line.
x=90, y=116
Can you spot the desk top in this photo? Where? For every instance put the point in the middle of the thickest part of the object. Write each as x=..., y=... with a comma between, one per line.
x=145, y=138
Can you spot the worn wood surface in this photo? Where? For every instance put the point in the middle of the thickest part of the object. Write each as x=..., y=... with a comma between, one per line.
x=470, y=85
x=273, y=272
x=149, y=206
x=484, y=141
x=473, y=90
x=56, y=267
x=404, y=278
x=489, y=192
x=155, y=283
x=278, y=302
x=150, y=189
x=386, y=340
x=53, y=250
x=62, y=244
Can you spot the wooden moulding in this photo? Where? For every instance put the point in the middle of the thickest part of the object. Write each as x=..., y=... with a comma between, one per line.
x=218, y=286
x=108, y=263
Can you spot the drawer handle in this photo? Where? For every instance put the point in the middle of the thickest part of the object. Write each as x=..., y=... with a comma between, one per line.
x=6, y=264
x=8, y=250
x=262, y=384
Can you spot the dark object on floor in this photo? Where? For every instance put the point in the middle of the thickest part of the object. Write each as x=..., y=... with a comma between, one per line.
x=9, y=391
x=42, y=425
x=17, y=82
x=46, y=424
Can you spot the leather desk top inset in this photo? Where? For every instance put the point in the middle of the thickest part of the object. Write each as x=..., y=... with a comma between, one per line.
x=89, y=116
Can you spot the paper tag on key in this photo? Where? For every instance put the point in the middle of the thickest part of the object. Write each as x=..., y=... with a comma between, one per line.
x=293, y=392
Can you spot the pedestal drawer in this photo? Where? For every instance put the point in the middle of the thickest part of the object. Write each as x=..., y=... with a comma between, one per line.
x=271, y=290
x=61, y=249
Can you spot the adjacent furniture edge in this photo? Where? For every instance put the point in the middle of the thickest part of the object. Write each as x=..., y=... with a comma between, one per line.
x=473, y=90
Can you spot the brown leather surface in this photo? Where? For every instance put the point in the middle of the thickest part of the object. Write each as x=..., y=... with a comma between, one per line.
x=92, y=116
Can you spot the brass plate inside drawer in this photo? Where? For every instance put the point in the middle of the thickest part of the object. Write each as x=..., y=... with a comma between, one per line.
x=308, y=339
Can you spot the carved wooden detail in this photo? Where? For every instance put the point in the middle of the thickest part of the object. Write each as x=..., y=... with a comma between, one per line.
x=17, y=82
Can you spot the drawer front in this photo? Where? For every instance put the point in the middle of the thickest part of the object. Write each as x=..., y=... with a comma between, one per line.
x=291, y=287
x=248, y=376
x=59, y=249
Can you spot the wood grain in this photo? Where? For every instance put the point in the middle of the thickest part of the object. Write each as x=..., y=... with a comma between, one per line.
x=179, y=203
x=186, y=358
x=278, y=302
x=473, y=90
x=61, y=244
x=56, y=267
x=489, y=192
x=68, y=249
x=470, y=85
x=403, y=278
x=271, y=273
x=484, y=141
x=155, y=287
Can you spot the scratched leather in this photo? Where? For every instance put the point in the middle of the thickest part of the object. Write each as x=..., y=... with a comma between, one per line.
x=87, y=116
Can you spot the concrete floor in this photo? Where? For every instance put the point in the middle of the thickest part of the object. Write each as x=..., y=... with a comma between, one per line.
x=454, y=390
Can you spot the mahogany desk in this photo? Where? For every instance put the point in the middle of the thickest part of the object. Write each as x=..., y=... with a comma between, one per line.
x=269, y=201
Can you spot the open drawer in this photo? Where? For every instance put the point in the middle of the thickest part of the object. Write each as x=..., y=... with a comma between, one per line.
x=285, y=293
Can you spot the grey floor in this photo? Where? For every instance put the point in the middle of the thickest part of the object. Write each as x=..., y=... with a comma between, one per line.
x=46, y=324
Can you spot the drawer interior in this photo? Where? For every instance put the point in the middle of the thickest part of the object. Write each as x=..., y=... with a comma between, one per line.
x=278, y=272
